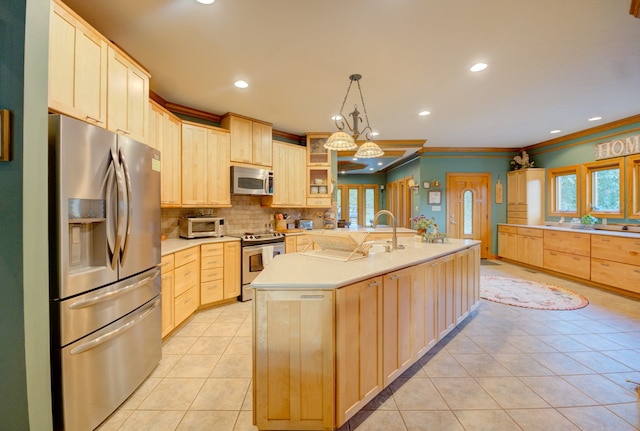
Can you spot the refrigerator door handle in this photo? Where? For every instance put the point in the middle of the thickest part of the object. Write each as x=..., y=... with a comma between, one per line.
x=120, y=216
x=127, y=233
x=92, y=300
x=141, y=314
x=108, y=185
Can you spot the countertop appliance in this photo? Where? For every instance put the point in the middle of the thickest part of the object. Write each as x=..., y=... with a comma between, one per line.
x=251, y=181
x=201, y=227
x=257, y=250
x=304, y=224
x=104, y=267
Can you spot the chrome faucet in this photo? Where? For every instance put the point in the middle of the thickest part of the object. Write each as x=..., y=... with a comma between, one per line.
x=394, y=238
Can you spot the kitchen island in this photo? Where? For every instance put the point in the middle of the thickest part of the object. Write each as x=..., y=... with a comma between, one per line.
x=331, y=335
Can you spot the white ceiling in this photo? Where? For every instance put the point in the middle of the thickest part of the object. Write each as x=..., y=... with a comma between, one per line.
x=552, y=63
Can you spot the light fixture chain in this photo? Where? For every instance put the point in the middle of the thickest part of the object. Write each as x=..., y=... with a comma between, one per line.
x=345, y=98
x=366, y=116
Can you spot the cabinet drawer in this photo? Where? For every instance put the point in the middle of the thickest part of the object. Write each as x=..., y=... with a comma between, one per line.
x=616, y=249
x=505, y=229
x=211, y=262
x=185, y=305
x=567, y=263
x=568, y=242
x=538, y=233
x=167, y=263
x=186, y=277
x=516, y=220
x=211, y=249
x=211, y=291
x=517, y=207
x=620, y=275
x=319, y=202
x=211, y=274
x=185, y=256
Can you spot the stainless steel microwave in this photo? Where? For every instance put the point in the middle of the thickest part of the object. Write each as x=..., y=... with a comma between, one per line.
x=251, y=181
x=201, y=227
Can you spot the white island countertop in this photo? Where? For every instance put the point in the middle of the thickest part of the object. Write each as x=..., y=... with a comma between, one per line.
x=300, y=271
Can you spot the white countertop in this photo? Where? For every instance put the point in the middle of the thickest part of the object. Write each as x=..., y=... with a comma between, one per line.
x=296, y=270
x=173, y=245
x=356, y=229
x=621, y=233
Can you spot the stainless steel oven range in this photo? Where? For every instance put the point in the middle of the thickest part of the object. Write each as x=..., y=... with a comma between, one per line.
x=255, y=248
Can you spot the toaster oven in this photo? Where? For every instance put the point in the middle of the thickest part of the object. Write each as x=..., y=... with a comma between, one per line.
x=201, y=227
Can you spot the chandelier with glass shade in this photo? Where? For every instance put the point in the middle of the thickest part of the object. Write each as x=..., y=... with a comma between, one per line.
x=343, y=141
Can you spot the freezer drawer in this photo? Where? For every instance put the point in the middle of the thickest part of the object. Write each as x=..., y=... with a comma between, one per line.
x=76, y=317
x=94, y=375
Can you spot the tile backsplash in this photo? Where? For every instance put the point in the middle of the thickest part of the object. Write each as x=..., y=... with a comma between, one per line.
x=245, y=215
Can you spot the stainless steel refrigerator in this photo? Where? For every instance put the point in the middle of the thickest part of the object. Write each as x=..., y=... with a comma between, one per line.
x=104, y=246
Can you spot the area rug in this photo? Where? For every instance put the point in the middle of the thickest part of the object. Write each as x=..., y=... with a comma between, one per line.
x=529, y=294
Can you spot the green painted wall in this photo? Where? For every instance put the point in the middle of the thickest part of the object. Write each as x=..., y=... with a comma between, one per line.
x=24, y=319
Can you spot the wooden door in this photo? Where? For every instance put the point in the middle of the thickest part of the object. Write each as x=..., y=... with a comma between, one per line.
x=469, y=208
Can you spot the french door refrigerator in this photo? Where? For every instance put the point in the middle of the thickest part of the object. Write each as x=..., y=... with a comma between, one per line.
x=104, y=247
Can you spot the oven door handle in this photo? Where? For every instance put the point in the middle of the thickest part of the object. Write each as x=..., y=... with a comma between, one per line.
x=260, y=247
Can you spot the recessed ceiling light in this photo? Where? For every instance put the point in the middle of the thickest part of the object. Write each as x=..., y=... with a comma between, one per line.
x=555, y=131
x=478, y=67
x=374, y=133
x=595, y=118
x=343, y=172
x=424, y=113
x=241, y=84
x=379, y=163
x=355, y=158
x=370, y=169
x=205, y=1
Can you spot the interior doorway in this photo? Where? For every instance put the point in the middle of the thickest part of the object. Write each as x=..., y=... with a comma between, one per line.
x=469, y=208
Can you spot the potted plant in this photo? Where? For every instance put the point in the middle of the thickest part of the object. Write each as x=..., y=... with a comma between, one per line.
x=423, y=224
x=588, y=221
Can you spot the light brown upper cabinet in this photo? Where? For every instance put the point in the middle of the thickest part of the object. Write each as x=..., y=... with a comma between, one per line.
x=250, y=140
x=603, y=185
x=165, y=135
x=127, y=97
x=77, y=67
x=205, y=166
x=289, y=172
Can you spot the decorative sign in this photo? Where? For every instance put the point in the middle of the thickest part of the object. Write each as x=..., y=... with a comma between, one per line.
x=498, y=191
x=618, y=148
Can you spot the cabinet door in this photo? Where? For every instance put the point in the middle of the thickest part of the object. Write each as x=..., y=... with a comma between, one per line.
x=218, y=178
x=397, y=324
x=167, y=302
x=262, y=144
x=290, y=244
x=194, y=165
x=77, y=68
x=297, y=176
x=127, y=96
x=232, y=274
x=170, y=159
x=281, y=174
x=241, y=134
x=424, y=310
x=445, y=282
x=461, y=285
x=156, y=127
x=294, y=374
x=358, y=346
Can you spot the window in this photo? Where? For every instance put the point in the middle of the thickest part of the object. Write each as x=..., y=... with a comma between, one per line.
x=564, y=190
x=633, y=172
x=604, y=188
x=467, y=205
x=357, y=203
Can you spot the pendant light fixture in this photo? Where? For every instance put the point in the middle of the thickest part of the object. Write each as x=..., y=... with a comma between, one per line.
x=343, y=141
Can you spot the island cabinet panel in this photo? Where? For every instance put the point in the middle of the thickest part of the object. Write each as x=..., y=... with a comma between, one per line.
x=396, y=324
x=445, y=272
x=167, y=294
x=294, y=360
x=358, y=346
x=232, y=260
x=424, y=311
x=473, y=274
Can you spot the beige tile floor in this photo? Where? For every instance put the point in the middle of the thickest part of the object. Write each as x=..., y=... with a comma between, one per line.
x=504, y=368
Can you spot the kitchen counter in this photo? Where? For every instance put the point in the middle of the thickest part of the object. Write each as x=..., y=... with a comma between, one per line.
x=173, y=245
x=565, y=228
x=300, y=271
x=384, y=230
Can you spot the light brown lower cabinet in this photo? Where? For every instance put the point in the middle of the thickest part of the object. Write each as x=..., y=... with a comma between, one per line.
x=361, y=336
x=167, y=294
